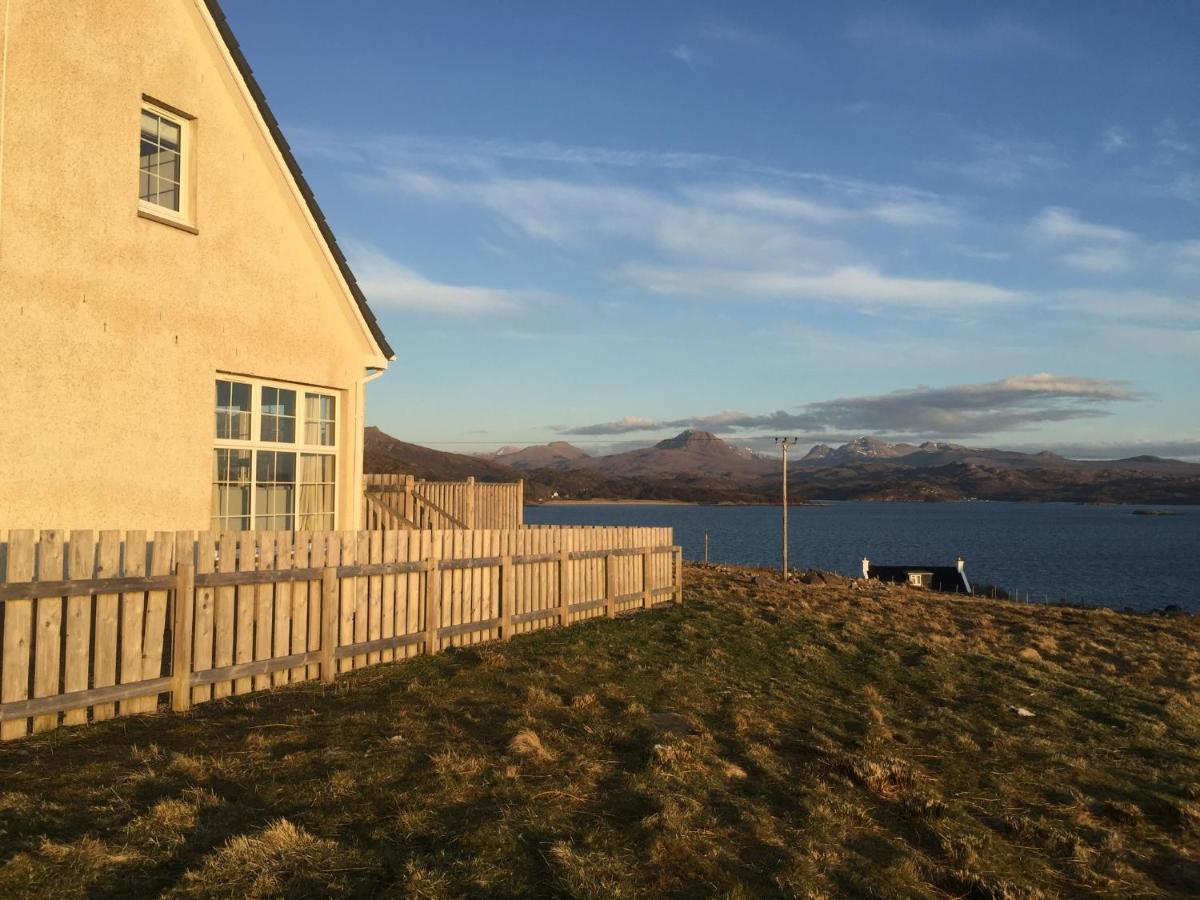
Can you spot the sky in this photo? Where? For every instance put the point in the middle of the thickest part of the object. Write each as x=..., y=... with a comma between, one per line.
x=955, y=221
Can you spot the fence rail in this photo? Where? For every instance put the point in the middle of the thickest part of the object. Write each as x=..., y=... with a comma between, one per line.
x=400, y=501
x=96, y=629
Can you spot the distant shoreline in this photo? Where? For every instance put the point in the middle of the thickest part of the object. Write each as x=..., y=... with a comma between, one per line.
x=615, y=503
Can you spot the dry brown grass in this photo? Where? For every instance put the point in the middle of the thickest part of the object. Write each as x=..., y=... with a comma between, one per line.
x=764, y=739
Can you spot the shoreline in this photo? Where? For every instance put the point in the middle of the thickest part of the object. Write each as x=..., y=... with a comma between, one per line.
x=616, y=503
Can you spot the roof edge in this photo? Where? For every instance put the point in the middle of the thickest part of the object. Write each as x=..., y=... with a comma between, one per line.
x=289, y=159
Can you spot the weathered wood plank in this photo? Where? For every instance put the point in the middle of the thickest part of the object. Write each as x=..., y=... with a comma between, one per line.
x=246, y=600
x=299, y=642
x=48, y=623
x=224, y=610
x=184, y=611
x=104, y=663
x=264, y=602
x=282, y=622
x=202, y=638
x=362, y=598
x=162, y=560
x=374, y=594
x=105, y=696
x=18, y=633
x=77, y=651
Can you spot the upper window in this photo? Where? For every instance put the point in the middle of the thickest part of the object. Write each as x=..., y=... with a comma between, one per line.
x=161, y=161
x=164, y=146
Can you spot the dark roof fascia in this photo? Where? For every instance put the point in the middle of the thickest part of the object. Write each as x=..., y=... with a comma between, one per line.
x=260, y=99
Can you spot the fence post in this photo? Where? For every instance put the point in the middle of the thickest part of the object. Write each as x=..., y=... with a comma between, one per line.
x=433, y=605
x=610, y=587
x=647, y=599
x=329, y=622
x=520, y=502
x=564, y=608
x=181, y=650
x=677, y=553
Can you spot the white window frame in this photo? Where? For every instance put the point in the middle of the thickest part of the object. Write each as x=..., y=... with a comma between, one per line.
x=183, y=217
x=299, y=446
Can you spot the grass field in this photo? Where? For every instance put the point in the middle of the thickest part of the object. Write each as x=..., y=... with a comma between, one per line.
x=761, y=739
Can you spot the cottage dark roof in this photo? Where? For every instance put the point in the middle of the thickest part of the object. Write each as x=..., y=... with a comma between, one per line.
x=945, y=578
x=260, y=99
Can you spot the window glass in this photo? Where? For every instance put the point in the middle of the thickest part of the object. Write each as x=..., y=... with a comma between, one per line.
x=274, y=490
x=320, y=420
x=278, y=419
x=318, y=474
x=259, y=484
x=233, y=410
x=160, y=161
x=231, y=490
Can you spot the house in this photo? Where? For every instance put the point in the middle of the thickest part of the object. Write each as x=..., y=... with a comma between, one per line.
x=185, y=346
x=951, y=579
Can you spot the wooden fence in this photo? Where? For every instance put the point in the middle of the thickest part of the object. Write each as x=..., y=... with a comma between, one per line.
x=96, y=629
x=400, y=501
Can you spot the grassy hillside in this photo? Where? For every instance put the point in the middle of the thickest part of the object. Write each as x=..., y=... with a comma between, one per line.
x=761, y=739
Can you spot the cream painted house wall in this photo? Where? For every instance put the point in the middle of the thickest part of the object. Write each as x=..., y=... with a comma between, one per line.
x=114, y=327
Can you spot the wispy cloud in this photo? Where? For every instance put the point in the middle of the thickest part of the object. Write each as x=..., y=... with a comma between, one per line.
x=997, y=163
x=993, y=36
x=1057, y=223
x=683, y=53
x=1115, y=139
x=390, y=285
x=860, y=286
x=954, y=411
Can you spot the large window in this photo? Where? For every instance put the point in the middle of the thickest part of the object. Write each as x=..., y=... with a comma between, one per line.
x=162, y=163
x=274, y=460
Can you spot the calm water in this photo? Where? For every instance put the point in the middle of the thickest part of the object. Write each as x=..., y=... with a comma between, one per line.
x=1102, y=555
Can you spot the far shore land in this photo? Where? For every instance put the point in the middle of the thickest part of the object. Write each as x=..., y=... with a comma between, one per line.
x=615, y=503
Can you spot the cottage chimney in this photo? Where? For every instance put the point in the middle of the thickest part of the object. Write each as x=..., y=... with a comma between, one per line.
x=866, y=568
x=961, y=564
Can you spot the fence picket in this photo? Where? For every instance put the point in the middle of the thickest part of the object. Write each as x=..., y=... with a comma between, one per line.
x=104, y=663
x=223, y=612
x=246, y=601
x=18, y=631
x=77, y=651
x=133, y=616
x=203, y=624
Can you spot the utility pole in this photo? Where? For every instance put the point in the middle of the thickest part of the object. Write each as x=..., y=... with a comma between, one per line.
x=783, y=444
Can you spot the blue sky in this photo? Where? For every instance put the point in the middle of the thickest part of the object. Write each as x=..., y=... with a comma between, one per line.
x=604, y=222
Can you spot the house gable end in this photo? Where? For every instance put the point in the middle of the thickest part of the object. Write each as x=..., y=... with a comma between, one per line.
x=215, y=18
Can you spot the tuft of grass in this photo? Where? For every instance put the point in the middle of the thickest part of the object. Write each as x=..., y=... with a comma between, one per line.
x=764, y=739
x=526, y=743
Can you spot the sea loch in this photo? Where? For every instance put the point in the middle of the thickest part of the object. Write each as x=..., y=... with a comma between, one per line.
x=1095, y=555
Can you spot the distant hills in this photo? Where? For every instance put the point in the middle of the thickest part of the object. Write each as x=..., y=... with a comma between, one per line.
x=699, y=466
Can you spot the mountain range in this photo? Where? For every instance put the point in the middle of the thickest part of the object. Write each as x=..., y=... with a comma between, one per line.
x=699, y=466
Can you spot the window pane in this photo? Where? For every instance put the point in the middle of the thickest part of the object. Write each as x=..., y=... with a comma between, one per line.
x=233, y=410
x=287, y=431
x=149, y=126
x=285, y=467
x=168, y=134
x=270, y=428
x=287, y=403
x=169, y=198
